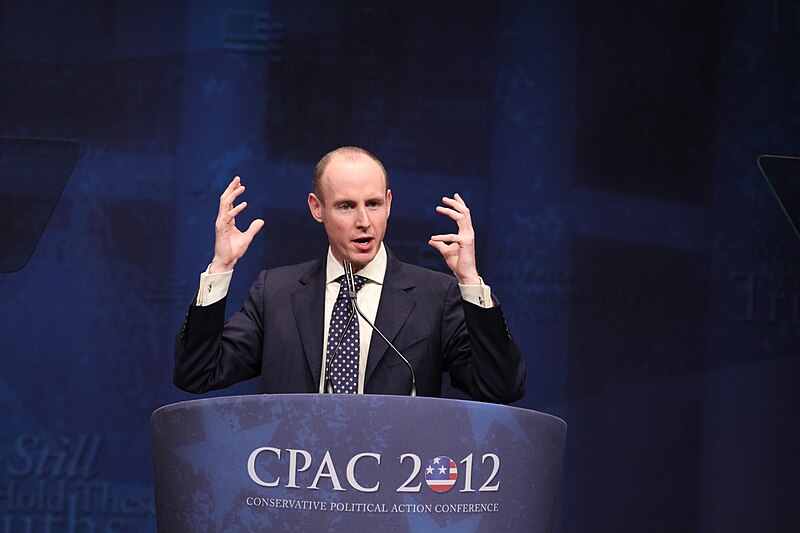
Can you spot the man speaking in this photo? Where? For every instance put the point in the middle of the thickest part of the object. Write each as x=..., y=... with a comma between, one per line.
x=309, y=327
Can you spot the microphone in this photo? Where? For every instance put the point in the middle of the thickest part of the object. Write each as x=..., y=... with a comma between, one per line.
x=351, y=293
x=350, y=281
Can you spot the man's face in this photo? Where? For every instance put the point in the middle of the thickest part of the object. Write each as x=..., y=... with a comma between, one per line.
x=355, y=209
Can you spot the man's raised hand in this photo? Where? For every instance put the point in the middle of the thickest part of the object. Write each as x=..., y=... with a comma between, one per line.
x=230, y=244
x=458, y=249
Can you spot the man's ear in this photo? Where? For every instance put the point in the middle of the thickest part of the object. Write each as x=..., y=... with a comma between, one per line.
x=315, y=206
x=388, y=202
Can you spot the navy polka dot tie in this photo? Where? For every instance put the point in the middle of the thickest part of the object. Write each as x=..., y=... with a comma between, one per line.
x=343, y=370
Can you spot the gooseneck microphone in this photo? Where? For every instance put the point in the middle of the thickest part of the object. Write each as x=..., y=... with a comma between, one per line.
x=351, y=292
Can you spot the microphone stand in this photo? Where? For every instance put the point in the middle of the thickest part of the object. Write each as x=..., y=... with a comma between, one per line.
x=351, y=292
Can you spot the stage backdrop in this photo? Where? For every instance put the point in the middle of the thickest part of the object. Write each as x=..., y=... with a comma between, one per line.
x=607, y=150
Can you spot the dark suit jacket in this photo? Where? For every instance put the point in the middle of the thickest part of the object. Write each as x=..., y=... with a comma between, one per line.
x=278, y=335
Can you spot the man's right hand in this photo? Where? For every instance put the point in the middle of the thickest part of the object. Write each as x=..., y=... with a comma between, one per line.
x=230, y=244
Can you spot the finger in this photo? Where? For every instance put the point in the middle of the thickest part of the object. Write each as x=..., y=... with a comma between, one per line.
x=463, y=221
x=231, y=197
x=231, y=186
x=453, y=201
x=458, y=241
x=457, y=201
x=232, y=212
x=440, y=246
x=227, y=214
x=457, y=204
x=450, y=237
x=255, y=227
x=460, y=199
x=452, y=213
x=227, y=199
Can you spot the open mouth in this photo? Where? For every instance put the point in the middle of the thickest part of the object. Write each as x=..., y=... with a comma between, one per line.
x=363, y=242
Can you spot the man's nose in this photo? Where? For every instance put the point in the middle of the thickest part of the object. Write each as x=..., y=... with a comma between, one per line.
x=362, y=217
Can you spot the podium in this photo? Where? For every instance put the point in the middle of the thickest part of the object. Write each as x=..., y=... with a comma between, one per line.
x=352, y=463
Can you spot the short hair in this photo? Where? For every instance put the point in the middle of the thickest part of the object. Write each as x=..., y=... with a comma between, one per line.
x=351, y=153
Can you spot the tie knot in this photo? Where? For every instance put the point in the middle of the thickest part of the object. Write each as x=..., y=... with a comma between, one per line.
x=358, y=280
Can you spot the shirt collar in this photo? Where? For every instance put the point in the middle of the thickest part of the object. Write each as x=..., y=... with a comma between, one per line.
x=375, y=270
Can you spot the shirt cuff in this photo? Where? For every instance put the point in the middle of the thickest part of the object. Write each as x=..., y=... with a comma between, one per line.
x=213, y=287
x=480, y=295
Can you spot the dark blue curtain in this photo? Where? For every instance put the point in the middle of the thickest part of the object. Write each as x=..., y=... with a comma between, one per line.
x=607, y=150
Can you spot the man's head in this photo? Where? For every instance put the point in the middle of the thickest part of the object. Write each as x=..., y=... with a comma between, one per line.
x=351, y=198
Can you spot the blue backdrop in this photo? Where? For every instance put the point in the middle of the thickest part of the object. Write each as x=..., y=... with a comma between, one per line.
x=607, y=150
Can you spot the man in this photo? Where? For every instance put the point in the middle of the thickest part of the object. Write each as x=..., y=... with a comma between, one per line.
x=288, y=331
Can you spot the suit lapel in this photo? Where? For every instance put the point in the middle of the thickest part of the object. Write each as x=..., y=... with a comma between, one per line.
x=308, y=306
x=394, y=310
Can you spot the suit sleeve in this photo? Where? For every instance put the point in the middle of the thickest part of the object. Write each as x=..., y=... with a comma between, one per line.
x=211, y=354
x=480, y=354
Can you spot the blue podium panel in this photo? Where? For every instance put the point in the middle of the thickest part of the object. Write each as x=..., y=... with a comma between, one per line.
x=310, y=462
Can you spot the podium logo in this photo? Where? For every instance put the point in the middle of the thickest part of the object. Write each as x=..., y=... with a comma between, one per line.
x=441, y=474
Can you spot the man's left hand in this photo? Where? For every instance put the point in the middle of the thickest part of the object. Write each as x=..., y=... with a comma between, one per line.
x=458, y=249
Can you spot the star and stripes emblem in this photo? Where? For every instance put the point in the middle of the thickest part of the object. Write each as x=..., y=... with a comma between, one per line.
x=441, y=474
